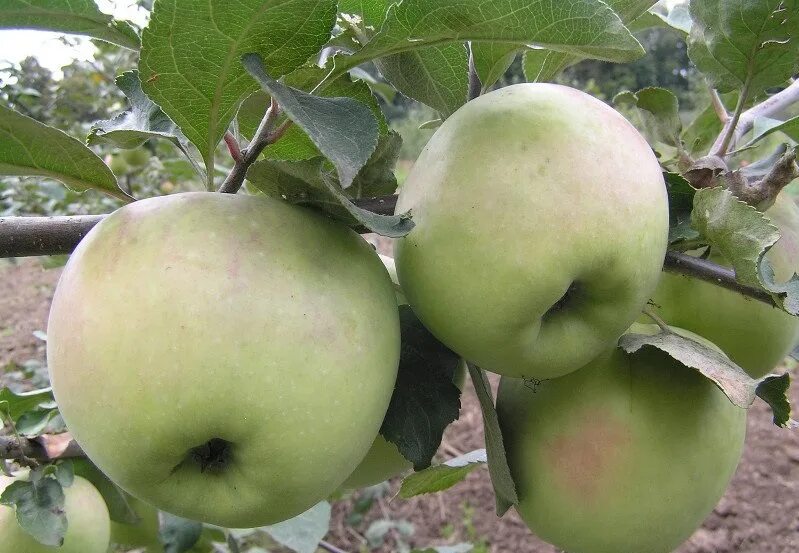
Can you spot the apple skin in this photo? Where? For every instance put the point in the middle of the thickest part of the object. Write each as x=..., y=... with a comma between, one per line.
x=541, y=226
x=384, y=461
x=118, y=165
x=88, y=525
x=627, y=455
x=755, y=336
x=231, y=331
x=144, y=534
x=136, y=157
x=141, y=535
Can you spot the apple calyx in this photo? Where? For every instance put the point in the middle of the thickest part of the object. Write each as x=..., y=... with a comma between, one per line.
x=213, y=456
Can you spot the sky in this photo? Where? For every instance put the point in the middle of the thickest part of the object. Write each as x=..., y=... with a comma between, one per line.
x=53, y=54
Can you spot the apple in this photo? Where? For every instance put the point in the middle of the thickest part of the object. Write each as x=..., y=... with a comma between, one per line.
x=136, y=157
x=541, y=226
x=755, y=335
x=88, y=525
x=626, y=455
x=384, y=461
x=143, y=534
x=216, y=355
x=118, y=165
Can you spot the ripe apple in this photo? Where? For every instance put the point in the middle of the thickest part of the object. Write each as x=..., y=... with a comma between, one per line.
x=541, y=226
x=627, y=454
x=754, y=335
x=87, y=523
x=384, y=461
x=216, y=355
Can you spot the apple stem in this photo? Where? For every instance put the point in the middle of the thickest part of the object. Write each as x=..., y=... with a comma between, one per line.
x=475, y=86
x=264, y=136
x=652, y=315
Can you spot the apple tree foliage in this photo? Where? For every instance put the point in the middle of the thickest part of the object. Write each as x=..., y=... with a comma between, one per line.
x=205, y=79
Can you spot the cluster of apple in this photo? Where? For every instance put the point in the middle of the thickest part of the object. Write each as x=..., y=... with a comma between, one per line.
x=230, y=358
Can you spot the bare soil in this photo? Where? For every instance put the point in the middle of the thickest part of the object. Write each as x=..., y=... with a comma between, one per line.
x=758, y=514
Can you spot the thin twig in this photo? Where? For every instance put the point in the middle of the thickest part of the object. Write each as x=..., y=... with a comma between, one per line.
x=263, y=137
x=330, y=547
x=684, y=264
x=769, y=107
x=652, y=315
x=23, y=236
x=233, y=146
x=728, y=133
x=718, y=106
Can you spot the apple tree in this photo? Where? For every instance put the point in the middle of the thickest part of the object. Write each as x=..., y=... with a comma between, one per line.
x=226, y=352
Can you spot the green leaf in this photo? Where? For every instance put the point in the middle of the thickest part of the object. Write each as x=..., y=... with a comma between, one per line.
x=773, y=389
x=39, y=508
x=681, y=203
x=442, y=477
x=15, y=405
x=544, y=64
x=191, y=51
x=660, y=110
x=425, y=400
x=743, y=235
x=77, y=17
x=377, y=177
x=752, y=44
x=303, y=533
x=437, y=76
x=578, y=27
x=372, y=12
x=31, y=148
x=700, y=134
x=141, y=121
x=764, y=126
x=498, y=468
x=65, y=473
x=731, y=379
x=344, y=130
x=491, y=60
x=677, y=18
x=295, y=145
x=33, y=423
x=311, y=183
x=178, y=534
x=116, y=499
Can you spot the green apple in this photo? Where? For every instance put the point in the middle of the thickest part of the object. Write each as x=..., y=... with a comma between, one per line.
x=118, y=165
x=541, y=226
x=136, y=157
x=754, y=335
x=216, y=356
x=88, y=525
x=143, y=534
x=384, y=461
x=627, y=455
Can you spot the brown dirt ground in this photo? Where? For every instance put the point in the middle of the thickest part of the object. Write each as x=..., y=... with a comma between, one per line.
x=758, y=514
